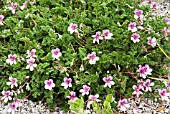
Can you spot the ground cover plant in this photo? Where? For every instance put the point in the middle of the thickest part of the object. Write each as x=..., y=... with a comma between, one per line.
x=73, y=54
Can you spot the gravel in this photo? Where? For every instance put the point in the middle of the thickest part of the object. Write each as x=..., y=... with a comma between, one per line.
x=145, y=107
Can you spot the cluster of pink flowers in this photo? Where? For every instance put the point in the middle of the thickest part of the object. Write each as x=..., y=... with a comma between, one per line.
x=106, y=34
x=152, y=4
x=144, y=71
x=147, y=85
x=12, y=107
x=14, y=7
x=31, y=61
x=132, y=25
x=97, y=37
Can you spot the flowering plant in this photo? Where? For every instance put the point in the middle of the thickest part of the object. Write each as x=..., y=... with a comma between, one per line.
x=61, y=51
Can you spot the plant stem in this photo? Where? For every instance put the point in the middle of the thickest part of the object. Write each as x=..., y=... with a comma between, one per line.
x=159, y=79
x=164, y=52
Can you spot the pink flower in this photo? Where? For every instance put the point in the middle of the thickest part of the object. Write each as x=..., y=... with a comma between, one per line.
x=132, y=26
x=167, y=20
x=67, y=83
x=150, y=2
x=155, y=5
x=107, y=34
x=140, y=82
x=92, y=58
x=92, y=98
x=97, y=37
x=11, y=59
x=72, y=28
x=138, y=14
x=1, y=19
x=31, y=53
x=164, y=95
x=152, y=41
x=144, y=71
x=135, y=37
x=56, y=53
x=6, y=96
x=13, y=7
x=72, y=96
x=165, y=31
x=49, y=84
x=168, y=84
x=108, y=81
x=12, y=108
x=23, y=6
x=135, y=108
x=13, y=81
x=85, y=90
x=147, y=84
x=137, y=91
x=17, y=102
x=30, y=64
x=123, y=104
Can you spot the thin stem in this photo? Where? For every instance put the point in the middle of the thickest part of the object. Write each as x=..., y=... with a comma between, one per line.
x=164, y=52
x=159, y=79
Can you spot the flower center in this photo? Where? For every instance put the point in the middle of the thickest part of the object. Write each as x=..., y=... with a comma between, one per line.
x=132, y=26
x=56, y=52
x=138, y=13
x=12, y=106
x=14, y=6
x=68, y=81
x=92, y=56
x=12, y=58
x=97, y=36
x=93, y=98
x=163, y=93
x=31, y=62
x=137, y=89
x=13, y=81
x=147, y=84
x=7, y=94
x=135, y=37
x=74, y=27
x=86, y=89
x=32, y=53
x=106, y=33
x=72, y=97
x=49, y=83
x=122, y=103
x=107, y=80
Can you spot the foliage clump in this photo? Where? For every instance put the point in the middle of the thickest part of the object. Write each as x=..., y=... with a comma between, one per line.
x=87, y=49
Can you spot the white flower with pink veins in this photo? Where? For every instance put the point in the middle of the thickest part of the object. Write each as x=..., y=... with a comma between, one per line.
x=30, y=64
